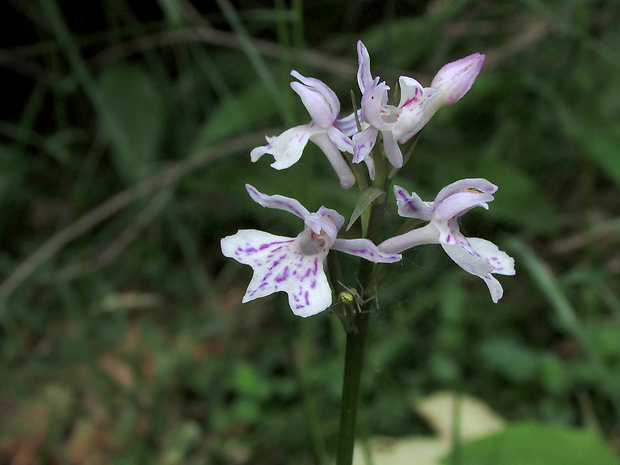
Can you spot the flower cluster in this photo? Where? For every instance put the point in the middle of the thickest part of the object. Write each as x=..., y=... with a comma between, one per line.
x=297, y=265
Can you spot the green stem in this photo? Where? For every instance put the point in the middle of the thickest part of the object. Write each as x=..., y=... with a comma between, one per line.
x=354, y=354
x=353, y=364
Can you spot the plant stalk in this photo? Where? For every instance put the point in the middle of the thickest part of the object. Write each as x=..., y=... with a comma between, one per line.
x=353, y=364
x=355, y=348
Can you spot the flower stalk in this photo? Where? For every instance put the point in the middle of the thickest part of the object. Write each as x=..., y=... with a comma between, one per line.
x=355, y=349
x=382, y=136
x=353, y=365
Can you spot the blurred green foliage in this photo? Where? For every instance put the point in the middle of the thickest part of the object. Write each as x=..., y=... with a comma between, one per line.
x=534, y=444
x=122, y=334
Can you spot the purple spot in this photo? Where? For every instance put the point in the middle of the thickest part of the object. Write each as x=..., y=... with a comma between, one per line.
x=307, y=296
x=264, y=246
x=448, y=238
x=297, y=307
x=316, y=267
x=313, y=285
x=283, y=276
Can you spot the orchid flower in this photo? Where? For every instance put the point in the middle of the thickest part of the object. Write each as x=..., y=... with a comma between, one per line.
x=323, y=106
x=296, y=265
x=417, y=105
x=476, y=256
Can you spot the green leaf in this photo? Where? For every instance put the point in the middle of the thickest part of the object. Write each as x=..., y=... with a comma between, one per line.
x=133, y=115
x=537, y=444
x=366, y=197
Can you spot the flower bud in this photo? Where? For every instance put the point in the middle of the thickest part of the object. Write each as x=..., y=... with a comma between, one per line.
x=456, y=78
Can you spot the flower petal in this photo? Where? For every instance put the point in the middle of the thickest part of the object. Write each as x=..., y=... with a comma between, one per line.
x=363, y=72
x=340, y=140
x=476, y=184
x=320, y=86
x=486, y=259
x=458, y=204
x=364, y=141
x=279, y=202
x=348, y=125
x=392, y=150
x=364, y=248
x=280, y=265
x=370, y=166
x=288, y=147
x=321, y=102
x=373, y=102
x=416, y=106
x=466, y=259
x=411, y=93
x=327, y=222
x=412, y=206
x=501, y=262
x=495, y=287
